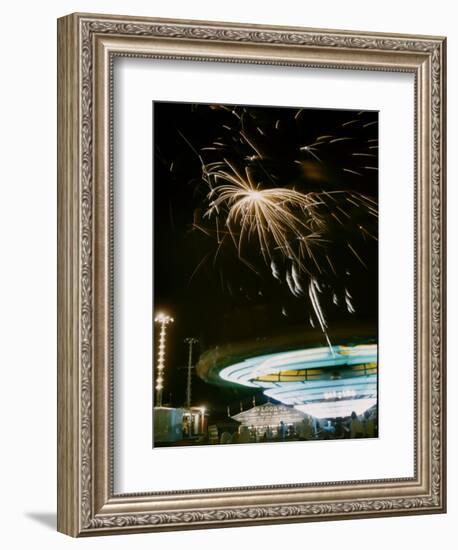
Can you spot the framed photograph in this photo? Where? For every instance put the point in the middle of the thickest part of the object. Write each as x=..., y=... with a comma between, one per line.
x=251, y=281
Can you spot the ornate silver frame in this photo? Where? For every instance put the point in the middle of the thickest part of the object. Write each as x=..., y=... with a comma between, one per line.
x=87, y=44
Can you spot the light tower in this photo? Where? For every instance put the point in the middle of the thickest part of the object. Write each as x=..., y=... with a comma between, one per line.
x=163, y=320
x=190, y=341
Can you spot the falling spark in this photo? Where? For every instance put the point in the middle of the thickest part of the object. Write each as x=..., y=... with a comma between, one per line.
x=349, y=122
x=251, y=144
x=356, y=254
x=199, y=265
x=331, y=264
x=296, y=278
x=318, y=311
x=350, y=307
x=310, y=150
x=275, y=272
x=351, y=171
x=290, y=283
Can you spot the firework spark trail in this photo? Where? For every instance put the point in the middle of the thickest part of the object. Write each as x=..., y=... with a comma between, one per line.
x=313, y=286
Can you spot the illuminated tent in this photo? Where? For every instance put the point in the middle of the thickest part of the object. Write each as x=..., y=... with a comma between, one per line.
x=269, y=414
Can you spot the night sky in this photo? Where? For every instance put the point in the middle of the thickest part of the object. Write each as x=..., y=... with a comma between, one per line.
x=219, y=293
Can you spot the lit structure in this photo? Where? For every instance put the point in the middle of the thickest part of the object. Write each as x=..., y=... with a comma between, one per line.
x=196, y=420
x=269, y=415
x=163, y=320
x=324, y=382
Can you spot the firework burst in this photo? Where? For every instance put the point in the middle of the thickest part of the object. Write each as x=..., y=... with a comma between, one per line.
x=281, y=220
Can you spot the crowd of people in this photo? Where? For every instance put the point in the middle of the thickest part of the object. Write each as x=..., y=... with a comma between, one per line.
x=354, y=427
x=310, y=428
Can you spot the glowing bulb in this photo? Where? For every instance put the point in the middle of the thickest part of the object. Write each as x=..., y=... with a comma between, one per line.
x=164, y=319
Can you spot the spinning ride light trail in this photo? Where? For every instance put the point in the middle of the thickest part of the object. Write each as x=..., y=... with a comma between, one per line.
x=322, y=382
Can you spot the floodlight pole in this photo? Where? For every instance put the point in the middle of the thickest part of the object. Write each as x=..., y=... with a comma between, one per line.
x=190, y=341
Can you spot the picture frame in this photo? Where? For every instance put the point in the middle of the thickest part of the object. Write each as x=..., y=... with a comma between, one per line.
x=87, y=502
